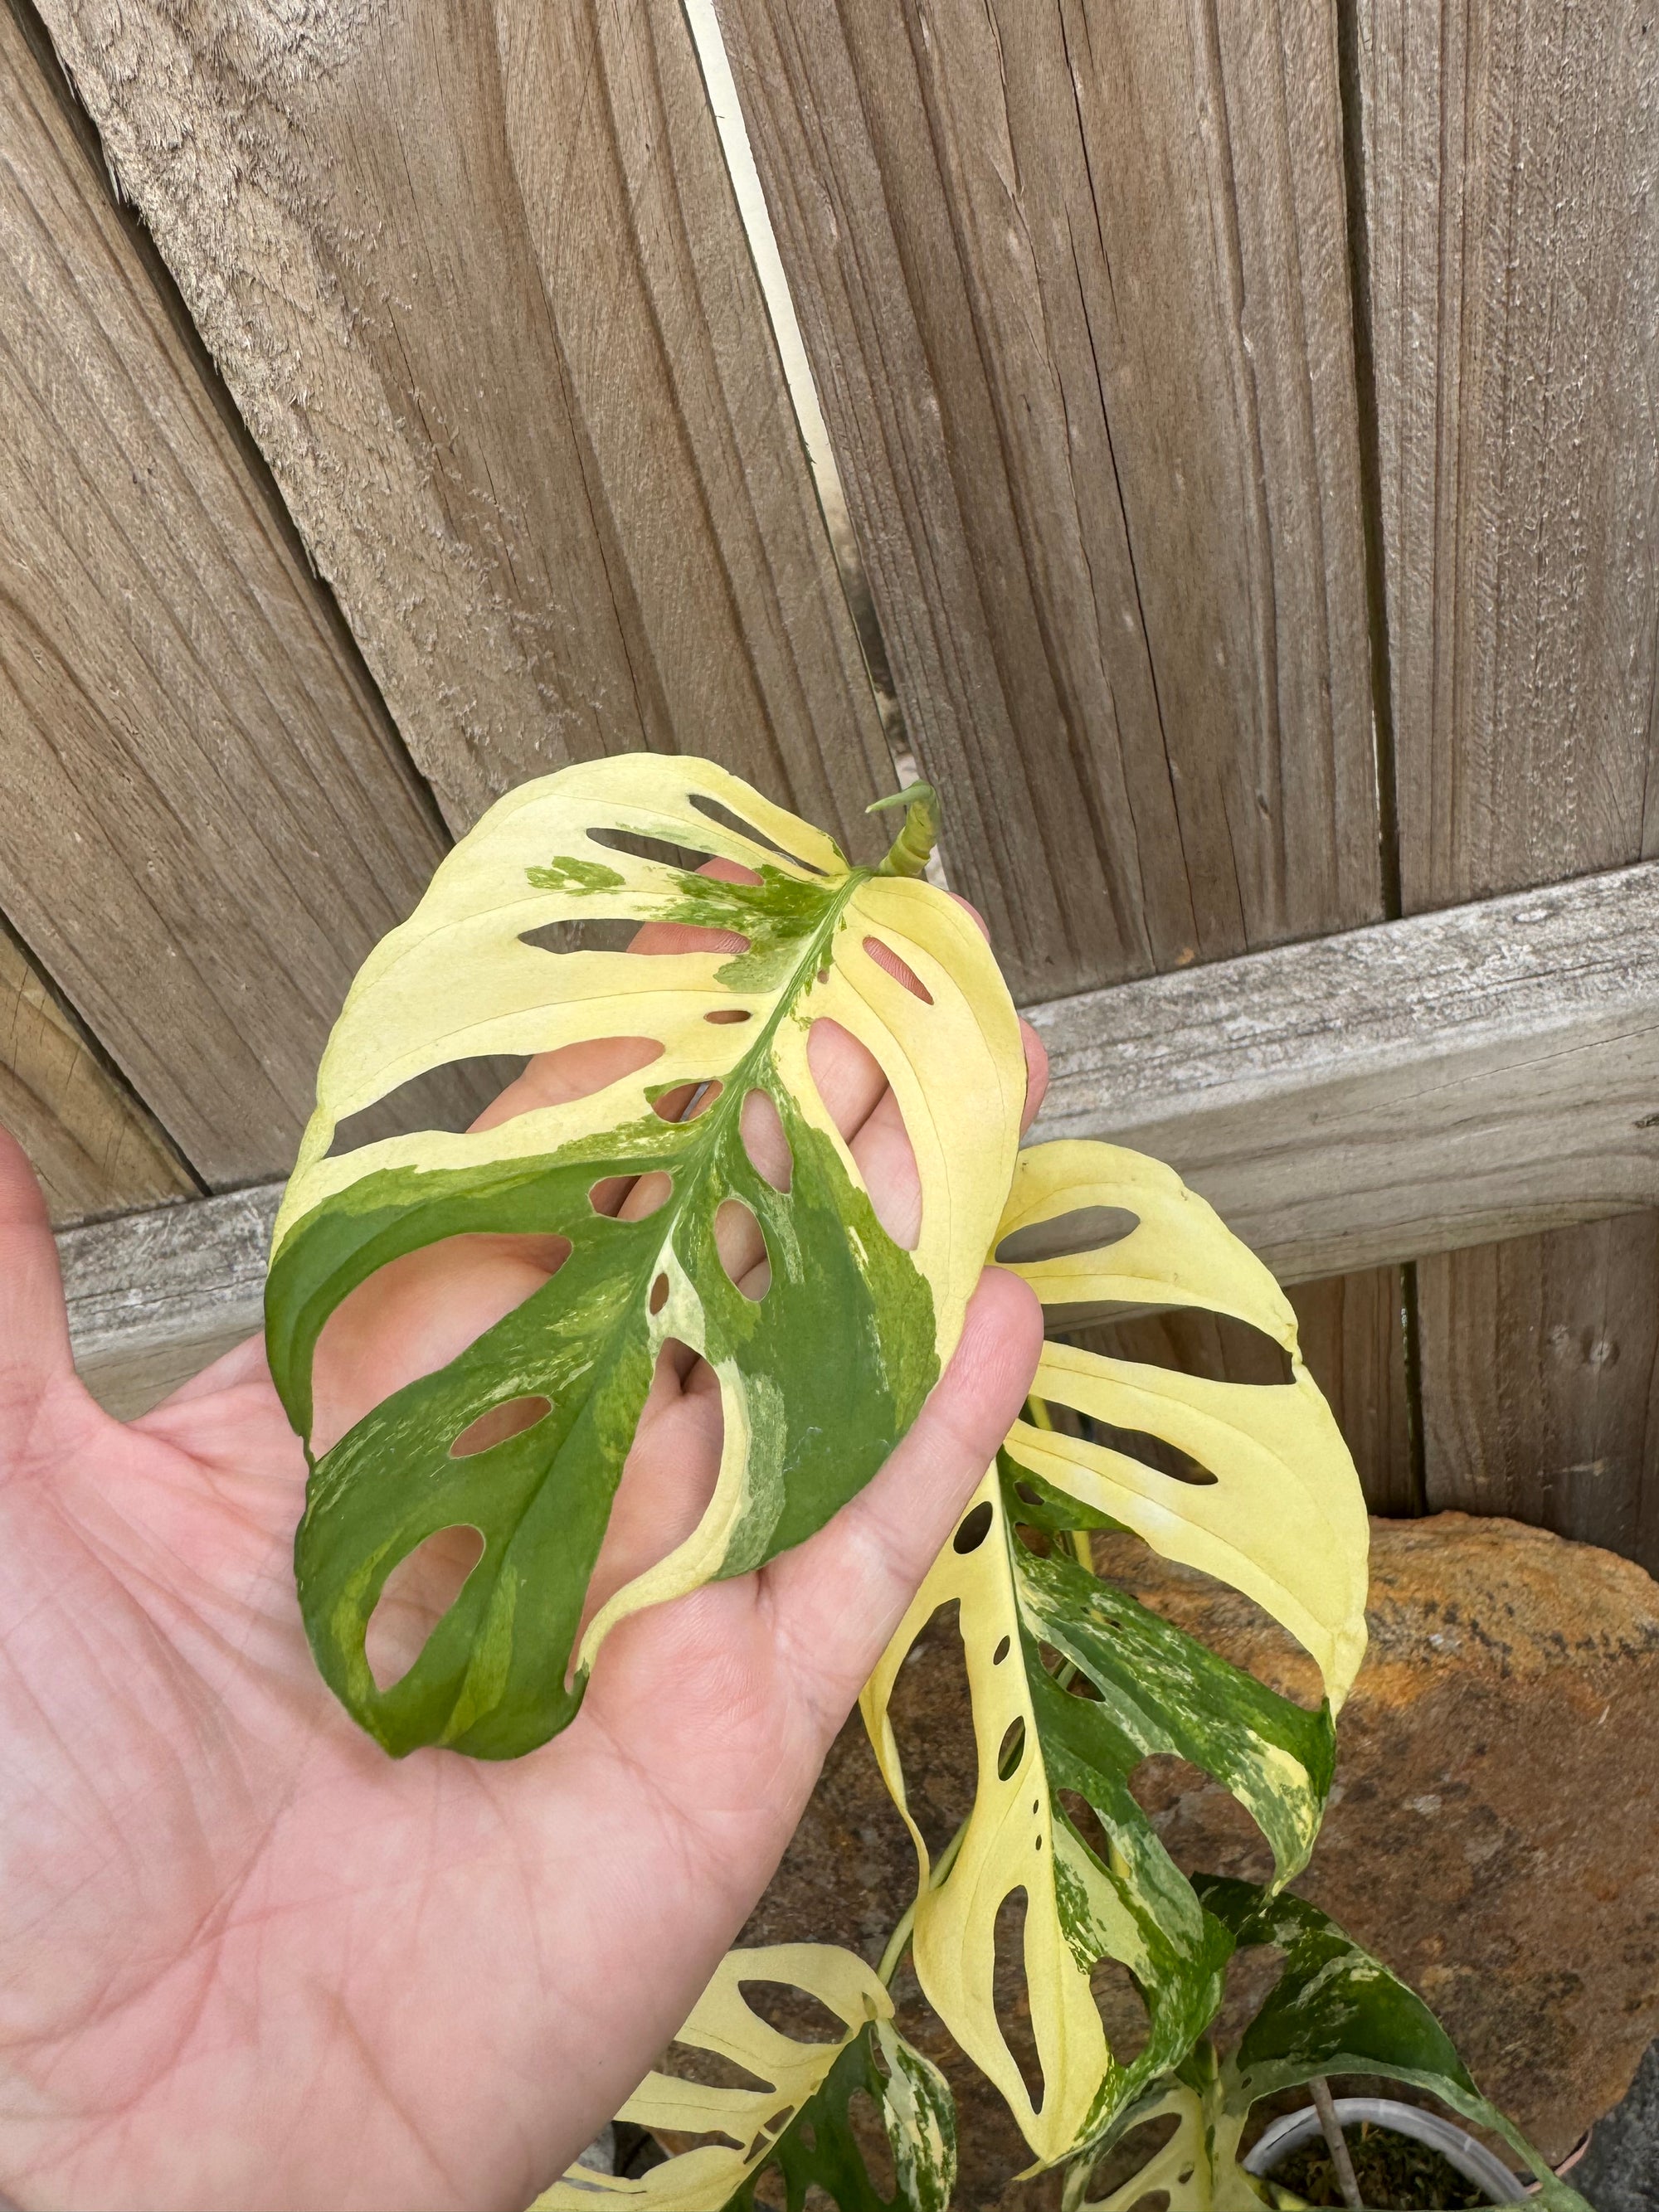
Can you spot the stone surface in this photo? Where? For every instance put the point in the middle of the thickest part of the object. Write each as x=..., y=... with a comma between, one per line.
x=1619, y=2172
x=1493, y=1833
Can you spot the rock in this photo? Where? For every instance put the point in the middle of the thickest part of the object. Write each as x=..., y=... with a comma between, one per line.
x=1493, y=1832
x=1619, y=2172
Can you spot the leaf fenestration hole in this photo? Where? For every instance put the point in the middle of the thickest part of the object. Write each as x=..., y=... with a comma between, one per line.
x=714, y=2069
x=668, y=1477
x=930, y=1711
x=728, y=820
x=659, y=1297
x=1190, y=1340
x=1154, y=1452
x=849, y=1078
x=1122, y=2015
x=1001, y=1653
x=641, y=1195
x=1012, y=1994
x=415, y=1597
x=728, y=1015
x=742, y=1249
x=1063, y=1235
x=873, y=2147
x=417, y=1314
x=510, y=1418
x=1011, y=1749
x=449, y=1097
x=761, y=1128
x=574, y=1071
x=1129, y=2155
x=792, y=2011
x=974, y=1530
x=1087, y=1822
x=890, y=964
x=686, y=1101
x=640, y=848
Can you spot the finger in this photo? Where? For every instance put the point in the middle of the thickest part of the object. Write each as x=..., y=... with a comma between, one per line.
x=837, y=1598
x=34, y=1340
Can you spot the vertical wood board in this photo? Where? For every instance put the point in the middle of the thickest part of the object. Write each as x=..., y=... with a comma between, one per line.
x=208, y=819
x=477, y=283
x=92, y=1145
x=1542, y=1388
x=1075, y=288
x=1511, y=148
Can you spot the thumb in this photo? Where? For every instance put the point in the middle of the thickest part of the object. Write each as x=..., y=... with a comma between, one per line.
x=838, y=1597
x=34, y=1342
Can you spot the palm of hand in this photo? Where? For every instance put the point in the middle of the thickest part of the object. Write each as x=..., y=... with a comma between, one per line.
x=248, y=1960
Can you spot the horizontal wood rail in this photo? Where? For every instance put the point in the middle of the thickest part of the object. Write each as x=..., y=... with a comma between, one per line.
x=1412, y=1087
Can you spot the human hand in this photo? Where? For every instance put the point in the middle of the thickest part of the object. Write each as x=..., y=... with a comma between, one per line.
x=246, y=1959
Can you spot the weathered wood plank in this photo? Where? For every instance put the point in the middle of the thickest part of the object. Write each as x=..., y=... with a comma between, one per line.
x=1074, y=287
x=1411, y=1087
x=207, y=817
x=1511, y=158
x=1543, y=1382
x=1349, y=1329
x=154, y=1297
x=1346, y=1102
x=476, y=281
x=94, y=1147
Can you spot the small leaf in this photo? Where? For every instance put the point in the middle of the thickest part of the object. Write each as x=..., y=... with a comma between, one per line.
x=1336, y=2010
x=818, y=1378
x=800, y=2124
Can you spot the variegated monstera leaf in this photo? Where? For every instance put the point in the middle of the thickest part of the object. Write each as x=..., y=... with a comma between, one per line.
x=818, y=1378
x=1335, y=2010
x=797, y=2118
x=1073, y=1683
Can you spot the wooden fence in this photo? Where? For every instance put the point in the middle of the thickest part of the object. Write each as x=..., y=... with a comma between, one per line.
x=1245, y=415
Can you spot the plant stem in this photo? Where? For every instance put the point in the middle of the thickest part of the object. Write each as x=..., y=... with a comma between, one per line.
x=911, y=850
x=1040, y=1418
x=1336, y=2143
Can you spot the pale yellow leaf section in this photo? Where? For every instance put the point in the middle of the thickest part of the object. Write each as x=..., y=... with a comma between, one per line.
x=1009, y=1844
x=1285, y=1521
x=704, y=2179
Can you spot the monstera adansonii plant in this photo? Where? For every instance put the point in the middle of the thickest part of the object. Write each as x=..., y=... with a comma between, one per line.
x=1073, y=1683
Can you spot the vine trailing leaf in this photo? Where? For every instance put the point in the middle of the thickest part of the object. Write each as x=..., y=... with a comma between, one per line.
x=1073, y=1682
x=817, y=1378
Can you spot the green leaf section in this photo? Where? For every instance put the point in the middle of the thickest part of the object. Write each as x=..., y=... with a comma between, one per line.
x=1131, y=1686
x=819, y=2147
x=1337, y=2009
x=819, y=1378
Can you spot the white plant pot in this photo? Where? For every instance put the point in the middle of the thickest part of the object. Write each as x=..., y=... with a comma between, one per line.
x=1459, y=2149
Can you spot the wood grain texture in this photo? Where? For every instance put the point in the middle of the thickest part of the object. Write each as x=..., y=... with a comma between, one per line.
x=1350, y=1331
x=1074, y=286
x=1420, y=1084
x=476, y=281
x=154, y=1297
x=94, y=1147
x=1511, y=152
x=1543, y=1392
x=208, y=818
